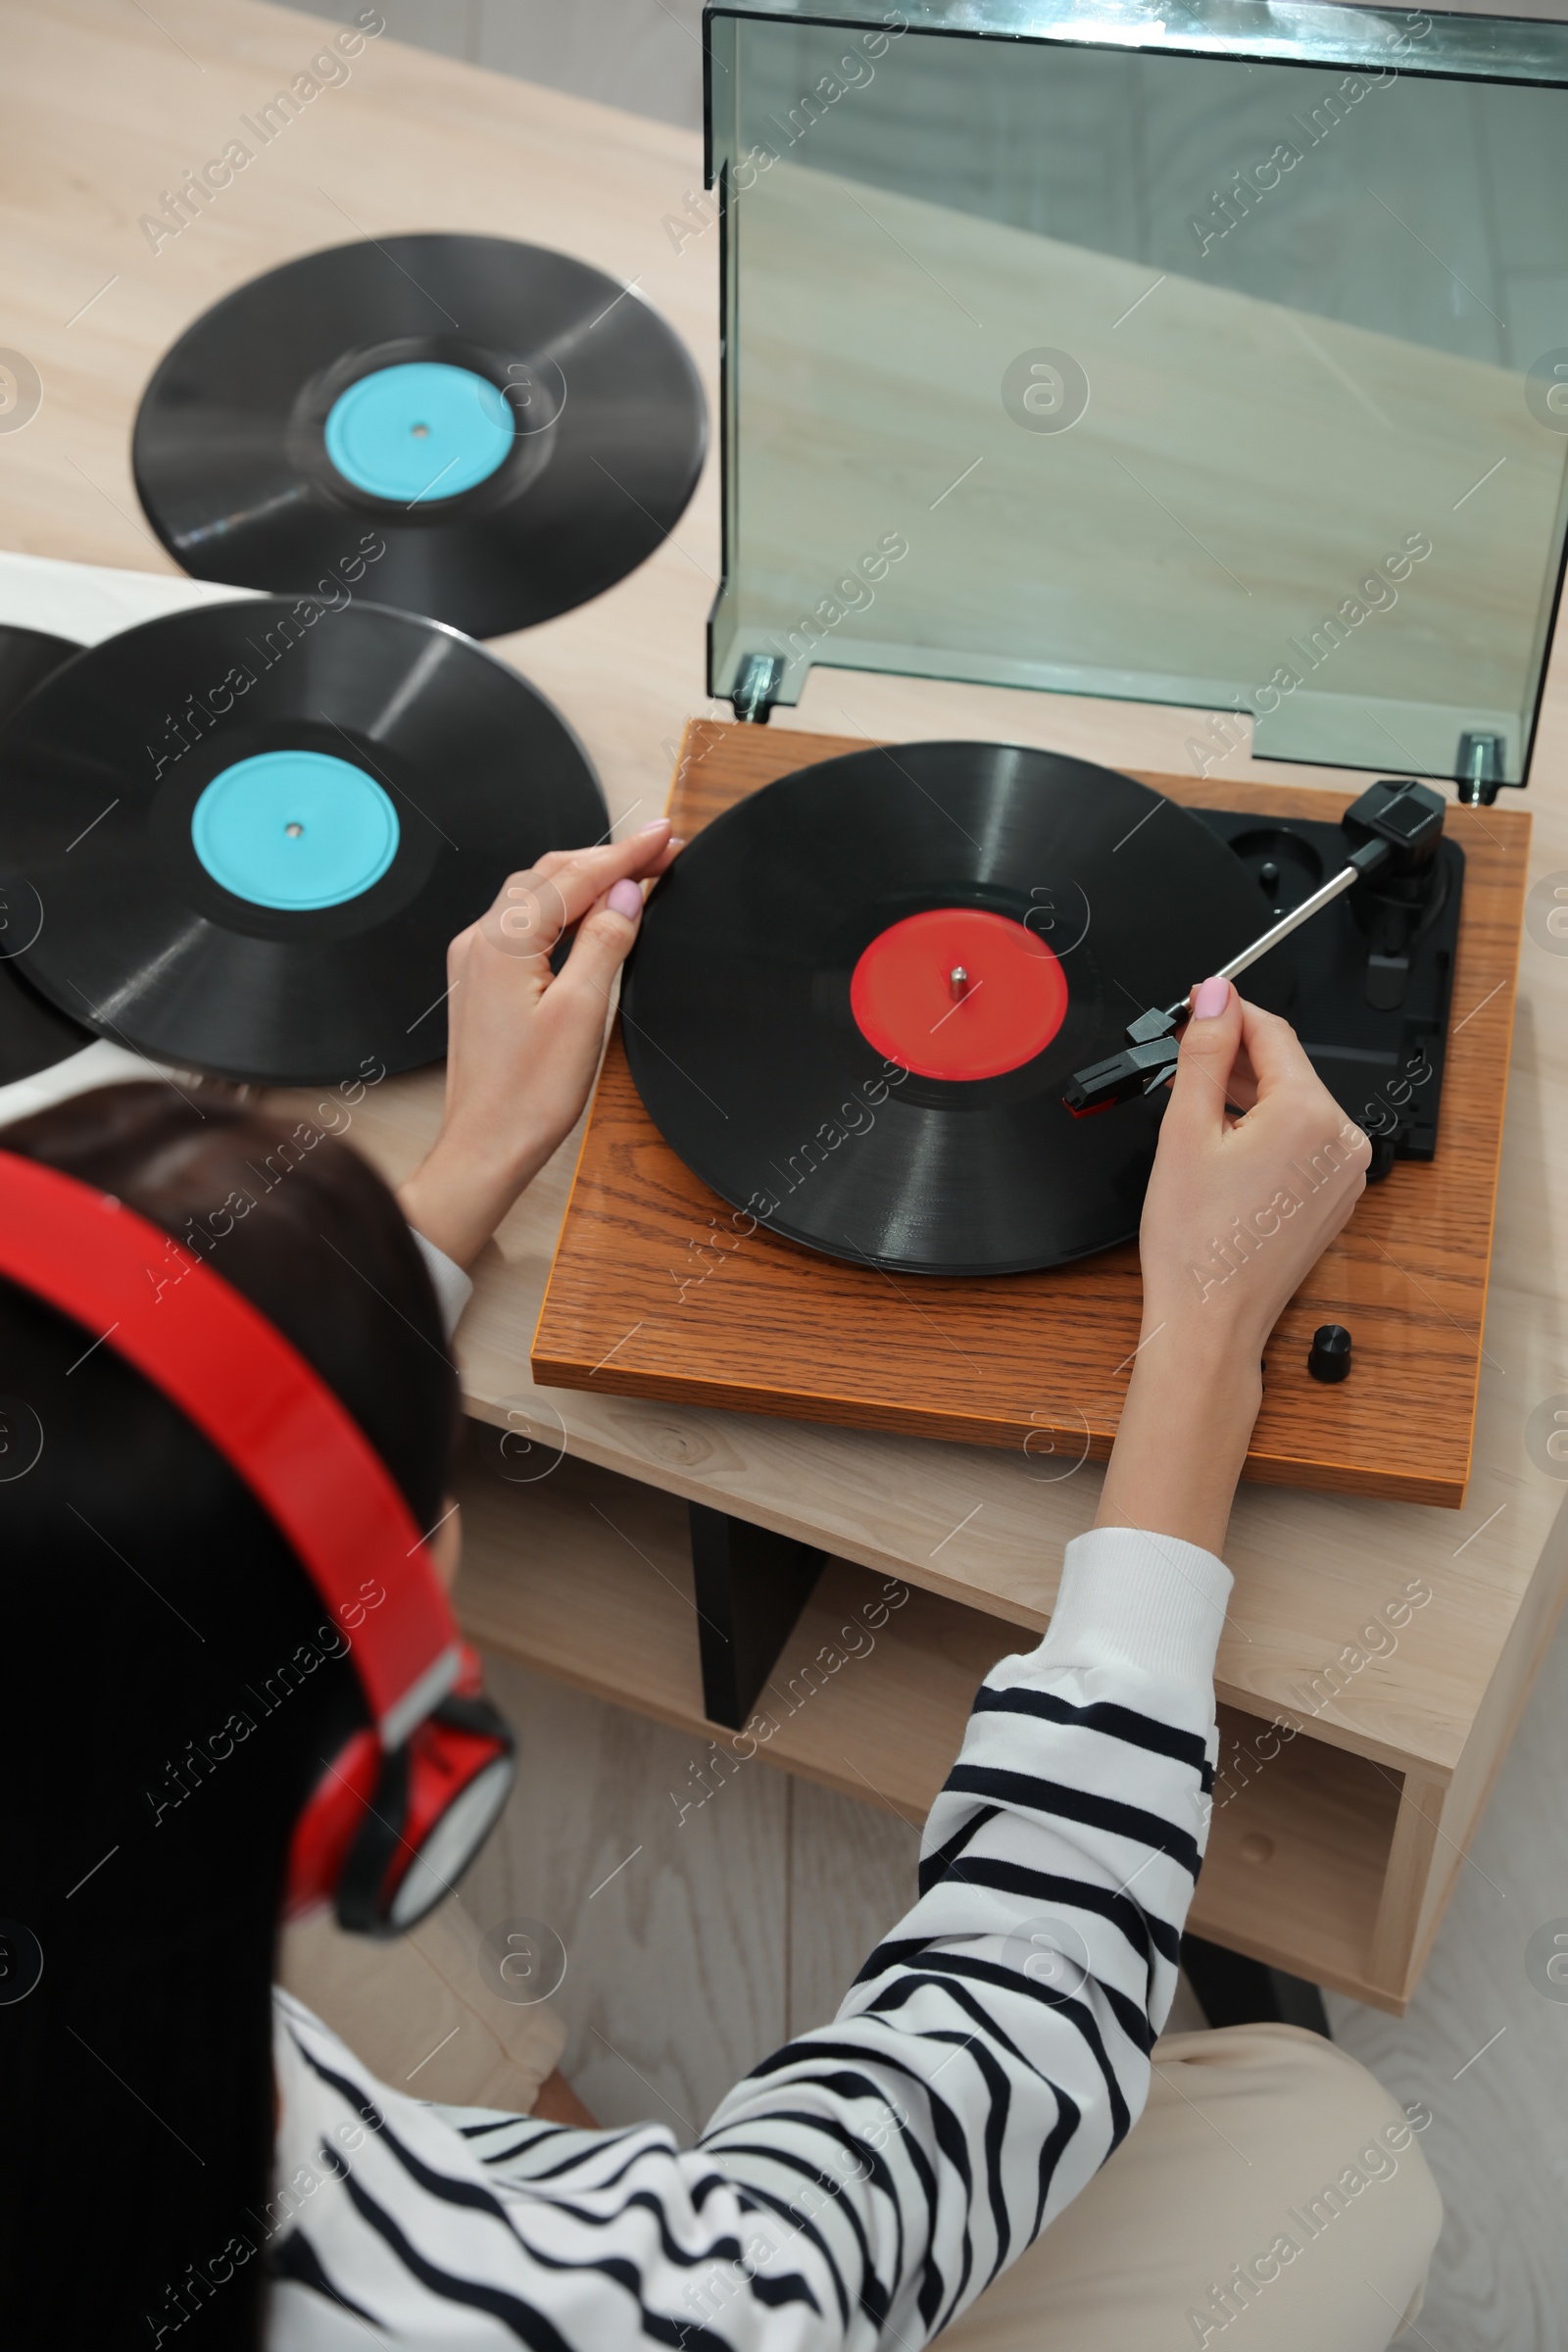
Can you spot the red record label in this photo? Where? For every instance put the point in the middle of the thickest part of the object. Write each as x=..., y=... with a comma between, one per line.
x=959, y=993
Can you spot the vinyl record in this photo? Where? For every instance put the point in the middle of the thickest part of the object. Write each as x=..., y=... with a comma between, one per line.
x=249, y=832
x=518, y=429
x=857, y=997
x=26, y=658
x=33, y=1034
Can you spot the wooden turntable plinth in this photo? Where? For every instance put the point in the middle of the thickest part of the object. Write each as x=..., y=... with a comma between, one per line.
x=659, y=1289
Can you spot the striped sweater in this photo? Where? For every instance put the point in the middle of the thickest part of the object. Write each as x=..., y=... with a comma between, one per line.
x=864, y=2184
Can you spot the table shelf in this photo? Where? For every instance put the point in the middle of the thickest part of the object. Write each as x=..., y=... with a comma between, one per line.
x=586, y=1576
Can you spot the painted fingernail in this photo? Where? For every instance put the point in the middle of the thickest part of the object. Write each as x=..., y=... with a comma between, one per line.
x=627, y=899
x=1210, y=999
x=653, y=824
x=677, y=841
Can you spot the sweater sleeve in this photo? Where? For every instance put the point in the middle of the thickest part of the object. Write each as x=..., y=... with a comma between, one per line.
x=994, y=2048
x=453, y=1287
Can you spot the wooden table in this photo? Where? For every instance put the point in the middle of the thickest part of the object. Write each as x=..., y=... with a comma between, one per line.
x=1330, y=1857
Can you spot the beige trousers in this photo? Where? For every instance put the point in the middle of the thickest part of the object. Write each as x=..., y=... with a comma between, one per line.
x=1272, y=2198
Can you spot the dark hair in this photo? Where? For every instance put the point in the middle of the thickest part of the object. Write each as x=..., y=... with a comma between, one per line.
x=149, y=1603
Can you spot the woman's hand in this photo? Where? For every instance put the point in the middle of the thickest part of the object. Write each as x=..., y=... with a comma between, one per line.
x=523, y=1041
x=1238, y=1212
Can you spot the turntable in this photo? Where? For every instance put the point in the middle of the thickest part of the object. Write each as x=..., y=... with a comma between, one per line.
x=665, y=1287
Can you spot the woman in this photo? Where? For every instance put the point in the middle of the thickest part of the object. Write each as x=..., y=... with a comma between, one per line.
x=196, y=2160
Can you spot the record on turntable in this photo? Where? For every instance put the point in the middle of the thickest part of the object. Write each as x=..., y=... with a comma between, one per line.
x=858, y=999
x=244, y=835
x=35, y=1034
x=520, y=429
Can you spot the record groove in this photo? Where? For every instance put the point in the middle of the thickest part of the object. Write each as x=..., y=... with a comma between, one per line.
x=740, y=1000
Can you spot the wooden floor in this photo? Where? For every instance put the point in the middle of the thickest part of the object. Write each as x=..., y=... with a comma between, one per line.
x=1499, y=2143
x=696, y=1943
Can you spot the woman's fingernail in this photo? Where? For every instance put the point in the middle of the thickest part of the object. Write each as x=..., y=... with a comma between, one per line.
x=1210, y=999
x=677, y=841
x=653, y=824
x=627, y=899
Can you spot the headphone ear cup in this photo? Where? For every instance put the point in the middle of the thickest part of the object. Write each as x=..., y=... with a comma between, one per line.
x=373, y=1855
x=435, y=1803
x=328, y=1828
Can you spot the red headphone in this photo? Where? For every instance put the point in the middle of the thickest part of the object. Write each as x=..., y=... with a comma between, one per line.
x=401, y=1811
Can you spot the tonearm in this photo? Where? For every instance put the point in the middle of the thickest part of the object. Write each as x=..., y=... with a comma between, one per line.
x=1394, y=829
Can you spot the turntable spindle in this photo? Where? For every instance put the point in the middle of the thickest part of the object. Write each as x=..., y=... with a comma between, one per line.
x=959, y=983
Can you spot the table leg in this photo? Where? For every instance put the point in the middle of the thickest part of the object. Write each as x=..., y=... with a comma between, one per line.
x=751, y=1587
x=1233, y=1990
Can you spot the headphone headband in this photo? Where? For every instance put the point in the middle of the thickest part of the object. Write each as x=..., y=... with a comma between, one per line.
x=278, y=1426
